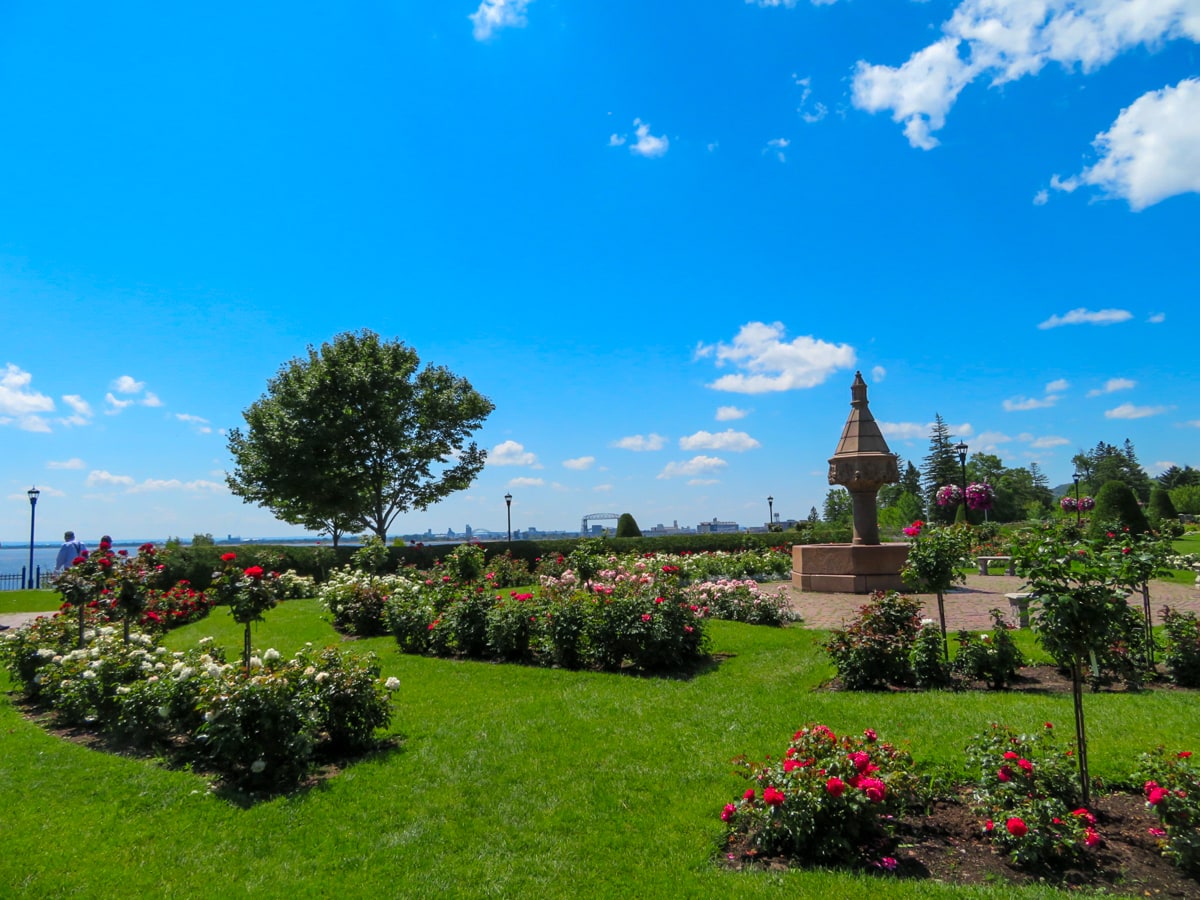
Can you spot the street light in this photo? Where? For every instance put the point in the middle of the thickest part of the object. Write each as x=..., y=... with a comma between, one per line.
x=1075, y=477
x=770, y=512
x=961, y=449
x=33, y=493
x=508, y=504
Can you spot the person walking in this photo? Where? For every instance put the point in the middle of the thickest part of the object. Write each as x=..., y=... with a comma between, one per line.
x=70, y=551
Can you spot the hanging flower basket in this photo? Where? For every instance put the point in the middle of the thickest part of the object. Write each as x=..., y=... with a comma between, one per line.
x=980, y=495
x=949, y=495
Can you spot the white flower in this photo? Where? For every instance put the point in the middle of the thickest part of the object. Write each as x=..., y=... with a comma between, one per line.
x=258, y=765
x=321, y=676
x=271, y=655
x=925, y=622
x=311, y=670
x=205, y=640
x=122, y=689
x=89, y=673
x=392, y=683
x=214, y=671
x=185, y=673
x=255, y=662
x=46, y=653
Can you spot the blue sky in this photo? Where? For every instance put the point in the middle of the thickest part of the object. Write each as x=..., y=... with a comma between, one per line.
x=661, y=237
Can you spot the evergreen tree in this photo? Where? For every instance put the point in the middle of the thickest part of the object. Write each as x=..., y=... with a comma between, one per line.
x=940, y=468
x=627, y=526
x=813, y=515
x=1176, y=477
x=1107, y=462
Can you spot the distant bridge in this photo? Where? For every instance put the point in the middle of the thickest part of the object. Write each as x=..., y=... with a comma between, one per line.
x=583, y=525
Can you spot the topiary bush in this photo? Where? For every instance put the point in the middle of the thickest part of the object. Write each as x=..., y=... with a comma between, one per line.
x=627, y=526
x=1116, y=505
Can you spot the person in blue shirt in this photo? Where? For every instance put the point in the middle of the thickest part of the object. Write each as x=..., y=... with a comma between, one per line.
x=69, y=551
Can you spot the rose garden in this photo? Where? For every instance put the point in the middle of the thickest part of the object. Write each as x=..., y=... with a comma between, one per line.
x=593, y=711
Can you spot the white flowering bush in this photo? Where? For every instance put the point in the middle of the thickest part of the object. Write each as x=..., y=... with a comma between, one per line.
x=356, y=599
x=262, y=726
x=294, y=586
x=741, y=600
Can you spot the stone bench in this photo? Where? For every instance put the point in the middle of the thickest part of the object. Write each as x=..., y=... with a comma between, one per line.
x=984, y=561
x=1019, y=603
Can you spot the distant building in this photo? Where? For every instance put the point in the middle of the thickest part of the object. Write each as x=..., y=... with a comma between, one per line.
x=716, y=527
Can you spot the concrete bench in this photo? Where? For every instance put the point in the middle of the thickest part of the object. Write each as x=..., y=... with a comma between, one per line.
x=984, y=561
x=1019, y=604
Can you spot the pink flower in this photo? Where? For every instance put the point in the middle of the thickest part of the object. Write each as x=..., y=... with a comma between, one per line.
x=1010, y=755
x=835, y=786
x=1005, y=773
x=1090, y=837
x=1016, y=827
x=870, y=735
x=1085, y=815
x=1156, y=795
x=728, y=812
x=888, y=864
x=645, y=617
x=772, y=797
x=1156, y=832
x=860, y=759
x=875, y=789
x=1025, y=766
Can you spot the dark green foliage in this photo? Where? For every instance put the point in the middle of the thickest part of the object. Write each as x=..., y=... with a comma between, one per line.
x=939, y=468
x=1116, y=504
x=627, y=527
x=1107, y=462
x=874, y=651
x=839, y=508
x=1160, y=508
x=1182, y=654
x=929, y=666
x=993, y=657
x=1175, y=477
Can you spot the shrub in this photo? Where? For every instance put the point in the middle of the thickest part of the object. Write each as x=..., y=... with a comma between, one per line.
x=929, y=666
x=1027, y=791
x=992, y=658
x=1182, y=653
x=511, y=622
x=627, y=526
x=356, y=600
x=873, y=651
x=1116, y=509
x=1160, y=509
x=1171, y=784
x=505, y=571
x=465, y=563
x=741, y=601
x=824, y=799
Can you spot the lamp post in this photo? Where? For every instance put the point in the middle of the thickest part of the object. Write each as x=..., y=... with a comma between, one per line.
x=508, y=505
x=1075, y=478
x=770, y=512
x=33, y=494
x=961, y=449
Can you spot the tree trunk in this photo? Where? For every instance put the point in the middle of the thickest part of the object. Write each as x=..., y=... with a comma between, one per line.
x=246, y=650
x=942, y=620
x=1080, y=730
x=1149, y=618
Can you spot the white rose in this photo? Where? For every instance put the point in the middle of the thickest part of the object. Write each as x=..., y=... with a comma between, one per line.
x=392, y=683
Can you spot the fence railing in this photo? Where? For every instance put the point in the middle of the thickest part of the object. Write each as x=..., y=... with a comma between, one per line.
x=18, y=581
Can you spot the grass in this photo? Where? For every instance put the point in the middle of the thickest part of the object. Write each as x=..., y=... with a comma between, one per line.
x=507, y=782
x=29, y=601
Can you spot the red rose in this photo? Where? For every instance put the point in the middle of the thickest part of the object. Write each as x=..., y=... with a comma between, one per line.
x=772, y=797
x=1016, y=827
x=728, y=812
x=1156, y=795
x=835, y=786
x=749, y=795
x=255, y=572
x=228, y=557
x=1026, y=766
x=875, y=789
x=1090, y=837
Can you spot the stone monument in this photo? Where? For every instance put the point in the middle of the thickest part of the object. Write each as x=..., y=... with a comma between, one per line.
x=863, y=464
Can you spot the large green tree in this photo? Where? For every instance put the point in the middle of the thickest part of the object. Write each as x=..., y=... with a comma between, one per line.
x=354, y=433
x=1107, y=462
x=940, y=467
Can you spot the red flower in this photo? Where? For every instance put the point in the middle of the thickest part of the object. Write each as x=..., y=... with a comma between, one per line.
x=1090, y=837
x=645, y=617
x=105, y=562
x=1085, y=815
x=1005, y=773
x=875, y=789
x=1010, y=755
x=772, y=797
x=870, y=735
x=860, y=759
x=1184, y=754
x=1016, y=827
x=835, y=786
x=728, y=812
x=255, y=572
x=228, y=557
x=1025, y=766
x=749, y=795
x=1156, y=795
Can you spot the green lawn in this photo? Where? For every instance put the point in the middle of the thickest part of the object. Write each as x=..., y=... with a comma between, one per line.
x=29, y=601
x=506, y=782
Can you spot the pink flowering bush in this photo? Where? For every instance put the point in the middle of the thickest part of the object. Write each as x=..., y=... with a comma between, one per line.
x=741, y=601
x=1171, y=786
x=1027, y=793
x=825, y=800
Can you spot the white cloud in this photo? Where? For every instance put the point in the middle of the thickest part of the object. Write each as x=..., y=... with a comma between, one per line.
x=769, y=364
x=98, y=477
x=1083, y=316
x=493, y=15
x=616, y=140
x=580, y=463
x=115, y=405
x=200, y=425
x=1047, y=442
x=878, y=373
x=730, y=413
x=1157, y=318
x=1008, y=39
x=73, y=463
x=903, y=431
x=526, y=482
x=641, y=442
x=1161, y=466
x=77, y=403
x=703, y=481
x=697, y=465
x=988, y=441
x=1129, y=411
x=510, y=453
x=1113, y=385
x=1057, y=387
x=602, y=488
x=789, y=4
x=1021, y=404
x=126, y=384
x=648, y=145
x=777, y=146
x=1041, y=198
x=1152, y=150
x=30, y=423
x=15, y=397
x=154, y=485
x=151, y=399
x=737, y=441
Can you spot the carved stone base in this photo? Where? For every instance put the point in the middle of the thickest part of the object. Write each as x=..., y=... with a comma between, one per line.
x=848, y=568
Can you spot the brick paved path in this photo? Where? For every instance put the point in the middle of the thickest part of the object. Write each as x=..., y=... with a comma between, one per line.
x=967, y=606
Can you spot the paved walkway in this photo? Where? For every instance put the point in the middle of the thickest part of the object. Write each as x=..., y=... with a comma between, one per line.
x=968, y=605
x=16, y=620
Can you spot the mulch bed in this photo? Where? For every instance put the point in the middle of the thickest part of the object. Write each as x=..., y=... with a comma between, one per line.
x=946, y=844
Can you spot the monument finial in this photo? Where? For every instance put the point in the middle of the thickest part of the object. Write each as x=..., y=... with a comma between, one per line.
x=858, y=391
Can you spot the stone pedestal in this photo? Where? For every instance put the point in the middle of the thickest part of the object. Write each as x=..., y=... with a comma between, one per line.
x=848, y=568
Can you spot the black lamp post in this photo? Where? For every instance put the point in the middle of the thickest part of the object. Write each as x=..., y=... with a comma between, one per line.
x=770, y=512
x=1075, y=478
x=961, y=449
x=33, y=494
x=508, y=504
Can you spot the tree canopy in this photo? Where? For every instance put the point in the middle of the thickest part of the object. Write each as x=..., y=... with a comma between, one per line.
x=351, y=435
